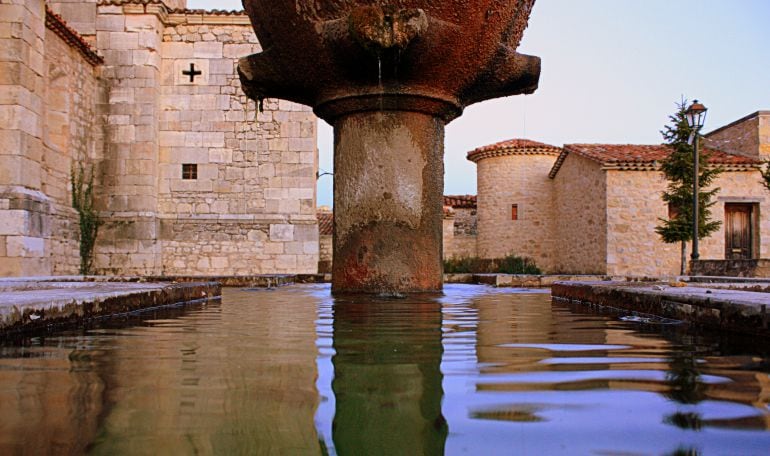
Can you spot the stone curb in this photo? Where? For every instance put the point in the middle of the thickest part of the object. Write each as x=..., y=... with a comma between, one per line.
x=71, y=303
x=743, y=312
x=517, y=280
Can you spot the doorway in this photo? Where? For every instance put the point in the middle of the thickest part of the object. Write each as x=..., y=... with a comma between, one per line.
x=739, y=232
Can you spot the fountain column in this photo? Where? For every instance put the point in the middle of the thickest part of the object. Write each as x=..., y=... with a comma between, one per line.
x=388, y=75
x=388, y=186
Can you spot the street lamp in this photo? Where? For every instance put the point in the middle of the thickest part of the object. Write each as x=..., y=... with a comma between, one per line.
x=696, y=116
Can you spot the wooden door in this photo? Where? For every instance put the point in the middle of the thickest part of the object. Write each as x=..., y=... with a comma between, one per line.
x=738, y=232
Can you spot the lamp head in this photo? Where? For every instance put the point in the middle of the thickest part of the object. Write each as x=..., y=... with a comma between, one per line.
x=696, y=115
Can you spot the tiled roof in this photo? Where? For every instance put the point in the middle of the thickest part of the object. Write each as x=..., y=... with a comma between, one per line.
x=56, y=24
x=460, y=201
x=512, y=147
x=644, y=157
x=215, y=12
x=325, y=223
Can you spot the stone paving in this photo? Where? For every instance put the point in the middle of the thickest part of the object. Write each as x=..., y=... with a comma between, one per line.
x=728, y=306
x=28, y=304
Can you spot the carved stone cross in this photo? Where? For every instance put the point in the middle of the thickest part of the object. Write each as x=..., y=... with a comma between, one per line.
x=192, y=72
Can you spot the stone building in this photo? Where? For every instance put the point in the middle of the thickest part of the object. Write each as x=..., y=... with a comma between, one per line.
x=460, y=226
x=191, y=178
x=593, y=208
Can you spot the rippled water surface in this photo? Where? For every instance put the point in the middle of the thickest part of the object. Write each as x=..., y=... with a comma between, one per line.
x=293, y=371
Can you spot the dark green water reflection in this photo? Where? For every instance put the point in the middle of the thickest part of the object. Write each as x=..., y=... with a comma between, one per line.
x=293, y=371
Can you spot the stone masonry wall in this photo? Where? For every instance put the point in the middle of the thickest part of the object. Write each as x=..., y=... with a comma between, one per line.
x=129, y=37
x=520, y=179
x=580, y=208
x=48, y=121
x=460, y=233
x=634, y=207
x=79, y=14
x=325, y=254
x=741, y=137
x=251, y=208
x=72, y=136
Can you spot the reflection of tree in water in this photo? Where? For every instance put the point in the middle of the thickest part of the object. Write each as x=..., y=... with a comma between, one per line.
x=685, y=452
x=387, y=377
x=684, y=377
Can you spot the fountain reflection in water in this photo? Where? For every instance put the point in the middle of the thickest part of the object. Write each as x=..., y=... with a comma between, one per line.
x=295, y=371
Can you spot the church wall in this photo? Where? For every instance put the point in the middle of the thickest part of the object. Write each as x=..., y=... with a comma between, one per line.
x=71, y=136
x=79, y=14
x=251, y=207
x=48, y=106
x=522, y=180
x=580, y=211
x=129, y=38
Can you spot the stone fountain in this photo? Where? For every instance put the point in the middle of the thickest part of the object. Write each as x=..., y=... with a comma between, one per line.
x=388, y=75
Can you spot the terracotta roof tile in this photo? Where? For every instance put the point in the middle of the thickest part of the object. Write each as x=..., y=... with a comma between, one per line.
x=325, y=223
x=56, y=24
x=644, y=157
x=512, y=147
x=634, y=153
x=460, y=201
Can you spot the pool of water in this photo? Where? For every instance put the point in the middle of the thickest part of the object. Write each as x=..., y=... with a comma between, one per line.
x=294, y=371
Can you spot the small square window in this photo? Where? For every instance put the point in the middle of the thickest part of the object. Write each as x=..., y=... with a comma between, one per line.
x=673, y=211
x=189, y=171
x=514, y=211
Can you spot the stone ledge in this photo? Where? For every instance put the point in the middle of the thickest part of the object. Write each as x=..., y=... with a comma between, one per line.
x=34, y=304
x=517, y=280
x=738, y=311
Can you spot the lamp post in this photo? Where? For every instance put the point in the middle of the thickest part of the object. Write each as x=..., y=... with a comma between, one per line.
x=696, y=116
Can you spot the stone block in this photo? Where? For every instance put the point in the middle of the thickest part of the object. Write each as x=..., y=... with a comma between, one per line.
x=121, y=41
x=220, y=155
x=286, y=263
x=208, y=50
x=281, y=232
x=220, y=262
x=236, y=51
x=172, y=139
x=213, y=139
x=141, y=23
x=183, y=69
x=25, y=246
x=14, y=222
x=177, y=50
x=288, y=206
x=110, y=23
x=310, y=247
x=273, y=248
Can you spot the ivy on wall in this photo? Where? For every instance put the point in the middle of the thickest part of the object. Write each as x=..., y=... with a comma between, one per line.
x=83, y=202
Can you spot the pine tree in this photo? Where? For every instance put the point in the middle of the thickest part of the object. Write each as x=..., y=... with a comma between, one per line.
x=678, y=169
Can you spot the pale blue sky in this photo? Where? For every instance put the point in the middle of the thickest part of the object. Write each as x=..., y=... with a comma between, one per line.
x=612, y=71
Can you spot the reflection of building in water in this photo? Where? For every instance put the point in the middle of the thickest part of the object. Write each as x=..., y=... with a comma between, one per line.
x=387, y=378
x=49, y=404
x=525, y=319
x=205, y=384
x=233, y=379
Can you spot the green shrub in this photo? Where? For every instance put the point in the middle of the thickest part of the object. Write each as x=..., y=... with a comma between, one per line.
x=83, y=202
x=513, y=264
x=510, y=264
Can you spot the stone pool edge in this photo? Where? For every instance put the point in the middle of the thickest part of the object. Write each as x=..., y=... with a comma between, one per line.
x=736, y=311
x=58, y=304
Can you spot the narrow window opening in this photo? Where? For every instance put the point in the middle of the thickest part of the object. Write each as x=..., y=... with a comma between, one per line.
x=189, y=171
x=673, y=211
x=514, y=211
